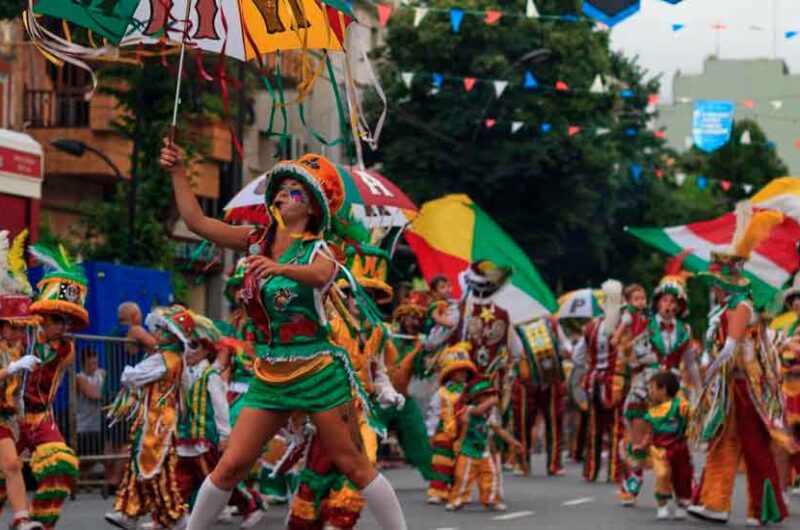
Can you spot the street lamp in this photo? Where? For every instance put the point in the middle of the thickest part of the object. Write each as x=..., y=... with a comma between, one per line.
x=534, y=56
x=77, y=148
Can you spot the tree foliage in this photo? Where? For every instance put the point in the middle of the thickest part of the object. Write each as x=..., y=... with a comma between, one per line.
x=565, y=199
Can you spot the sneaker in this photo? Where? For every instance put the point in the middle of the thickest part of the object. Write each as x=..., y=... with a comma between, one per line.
x=499, y=507
x=518, y=472
x=701, y=512
x=795, y=492
x=25, y=524
x=453, y=507
x=252, y=519
x=560, y=472
x=433, y=499
x=680, y=513
x=627, y=499
x=120, y=520
x=662, y=513
x=752, y=521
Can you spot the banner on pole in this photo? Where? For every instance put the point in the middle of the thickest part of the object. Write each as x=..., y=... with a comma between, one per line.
x=712, y=124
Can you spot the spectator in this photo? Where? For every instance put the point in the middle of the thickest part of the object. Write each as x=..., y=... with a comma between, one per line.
x=91, y=382
x=130, y=316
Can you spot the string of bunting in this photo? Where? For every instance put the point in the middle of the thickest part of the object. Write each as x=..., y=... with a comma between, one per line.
x=679, y=178
x=570, y=129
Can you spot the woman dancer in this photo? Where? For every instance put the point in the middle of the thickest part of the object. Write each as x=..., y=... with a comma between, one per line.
x=298, y=369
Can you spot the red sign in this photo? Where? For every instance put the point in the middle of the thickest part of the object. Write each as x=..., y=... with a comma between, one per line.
x=20, y=163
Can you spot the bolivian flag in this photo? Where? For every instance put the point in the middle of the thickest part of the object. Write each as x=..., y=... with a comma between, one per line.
x=452, y=232
x=771, y=265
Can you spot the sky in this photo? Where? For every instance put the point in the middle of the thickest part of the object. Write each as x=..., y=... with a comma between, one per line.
x=753, y=29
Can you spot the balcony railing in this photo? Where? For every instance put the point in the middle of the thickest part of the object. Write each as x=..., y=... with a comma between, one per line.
x=56, y=108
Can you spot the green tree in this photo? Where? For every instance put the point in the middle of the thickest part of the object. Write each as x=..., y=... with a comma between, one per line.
x=565, y=199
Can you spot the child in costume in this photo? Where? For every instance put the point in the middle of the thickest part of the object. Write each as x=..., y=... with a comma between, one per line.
x=740, y=410
x=324, y=496
x=478, y=459
x=633, y=320
x=455, y=370
x=667, y=418
x=15, y=321
x=442, y=314
x=152, y=391
x=61, y=300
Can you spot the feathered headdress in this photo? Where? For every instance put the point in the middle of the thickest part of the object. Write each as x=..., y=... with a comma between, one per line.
x=674, y=281
x=63, y=288
x=15, y=290
x=727, y=268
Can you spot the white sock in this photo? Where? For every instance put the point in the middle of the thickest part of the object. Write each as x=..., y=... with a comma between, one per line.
x=22, y=514
x=383, y=504
x=211, y=501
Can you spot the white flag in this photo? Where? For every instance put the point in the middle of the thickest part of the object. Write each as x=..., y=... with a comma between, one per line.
x=515, y=126
x=530, y=10
x=602, y=131
x=597, y=85
x=419, y=14
x=747, y=188
x=680, y=178
x=745, y=138
x=500, y=87
x=408, y=77
x=776, y=104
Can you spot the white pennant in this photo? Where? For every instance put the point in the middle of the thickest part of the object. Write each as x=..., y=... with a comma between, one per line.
x=745, y=138
x=776, y=104
x=530, y=10
x=688, y=142
x=408, y=77
x=684, y=100
x=602, y=131
x=419, y=14
x=500, y=87
x=747, y=188
x=680, y=178
x=597, y=85
x=515, y=126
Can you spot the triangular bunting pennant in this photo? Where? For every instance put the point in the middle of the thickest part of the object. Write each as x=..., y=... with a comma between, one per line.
x=530, y=10
x=626, y=94
x=572, y=130
x=384, y=14
x=492, y=17
x=652, y=99
x=747, y=188
x=490, y=122
x=419, y=14
x=562, y=86
x=660, y=134
x=660, y=174
x=680, y=178
x=408, y=77
x=745, y=139
x=688, y=142
x=684, y=100
x=602, y=131
x=500, y=87
x=636, y=172
x=677, y=27
x=530, y=81
x=797, y=144
x=702, y=182
x=725, y=184
x=456, y=17
x=545, y=127
x=749, y=103
x=777, y=104
x=469, y=83
x=790, y=34
x=516, y=126
x=438, y=79
x=598, y=87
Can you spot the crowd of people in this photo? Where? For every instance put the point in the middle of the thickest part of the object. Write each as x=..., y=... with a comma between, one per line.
x=288, y=401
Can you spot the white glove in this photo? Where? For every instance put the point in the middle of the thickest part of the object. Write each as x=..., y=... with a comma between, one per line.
x=391, y=398
x=27, y=362
x=725, y=355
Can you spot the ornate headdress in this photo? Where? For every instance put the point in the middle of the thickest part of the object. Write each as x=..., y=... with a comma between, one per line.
x=188, y=327
x=455, y=358
x=235, y=280
x=320, y=178
x=416, y=303
x=674, y=282
x=483, y=278
x=63, y=289
x=727, y=268
x=16, y=293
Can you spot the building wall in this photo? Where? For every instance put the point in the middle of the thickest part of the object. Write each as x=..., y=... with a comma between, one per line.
x=760, y=80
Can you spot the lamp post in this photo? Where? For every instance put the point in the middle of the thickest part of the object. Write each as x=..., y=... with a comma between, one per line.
x=534, y=56
x=78, y=148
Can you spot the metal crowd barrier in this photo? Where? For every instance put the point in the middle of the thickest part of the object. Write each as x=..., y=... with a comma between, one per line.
x=102, y=452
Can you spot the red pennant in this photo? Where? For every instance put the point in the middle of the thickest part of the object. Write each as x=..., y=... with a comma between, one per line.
x=652, y=99
x=726, y=184
x=469, y=83
x=572, y=130
x=384, y=14
x=797, y=144
x=660, y=134
x=492, y=17
x=490, y=122
x=659, y=173
x=749, y=103
x=719, y=26
x=562, y=86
